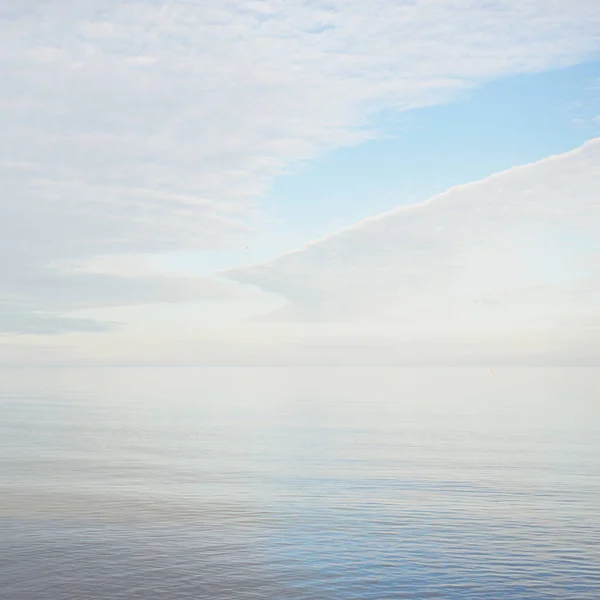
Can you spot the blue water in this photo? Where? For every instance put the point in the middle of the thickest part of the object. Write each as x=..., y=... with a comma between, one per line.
x=299, y=483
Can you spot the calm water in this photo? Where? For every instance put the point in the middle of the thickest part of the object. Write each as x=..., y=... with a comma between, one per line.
x=298, y=483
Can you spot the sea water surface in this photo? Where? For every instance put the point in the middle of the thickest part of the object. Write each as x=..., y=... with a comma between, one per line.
x=299, y=483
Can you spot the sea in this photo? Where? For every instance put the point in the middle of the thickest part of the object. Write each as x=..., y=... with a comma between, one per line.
x=299, y=483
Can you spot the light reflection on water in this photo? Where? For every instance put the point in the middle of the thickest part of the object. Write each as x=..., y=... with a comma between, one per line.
x=299, y=483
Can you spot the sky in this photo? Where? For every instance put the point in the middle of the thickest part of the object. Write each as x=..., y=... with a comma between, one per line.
x=300, y=182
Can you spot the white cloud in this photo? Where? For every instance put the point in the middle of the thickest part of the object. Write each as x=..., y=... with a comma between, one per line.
x=517, y=253
x=137, y=126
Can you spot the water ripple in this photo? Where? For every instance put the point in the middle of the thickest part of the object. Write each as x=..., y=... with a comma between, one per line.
x=133, y=484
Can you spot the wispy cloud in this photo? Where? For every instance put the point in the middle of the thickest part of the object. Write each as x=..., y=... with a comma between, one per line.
x=137, y=126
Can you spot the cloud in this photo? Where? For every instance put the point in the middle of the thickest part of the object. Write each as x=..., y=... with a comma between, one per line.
x=139, y=127
x=516, y=253
x=13, y=319
x=34, y=295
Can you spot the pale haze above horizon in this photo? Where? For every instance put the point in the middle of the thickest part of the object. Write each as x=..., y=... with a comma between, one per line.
x=300, y=182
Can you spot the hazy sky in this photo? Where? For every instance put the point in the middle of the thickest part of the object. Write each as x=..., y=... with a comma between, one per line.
x=280, y=182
